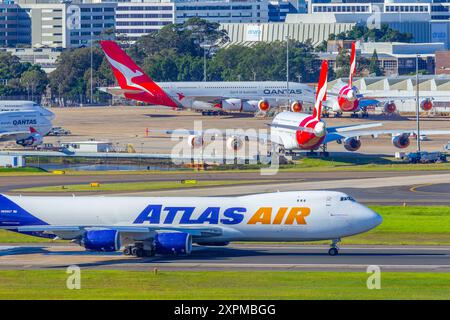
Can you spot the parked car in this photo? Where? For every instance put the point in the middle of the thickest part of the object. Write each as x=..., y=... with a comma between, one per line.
x=59, y=131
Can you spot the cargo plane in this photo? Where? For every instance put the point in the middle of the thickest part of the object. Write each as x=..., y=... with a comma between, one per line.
x=146, y=226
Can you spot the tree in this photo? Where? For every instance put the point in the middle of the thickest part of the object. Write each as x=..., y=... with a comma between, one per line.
x=35, y=81
x=342, y=66
x=384, y=34
x=71, y=79
x=374, y=68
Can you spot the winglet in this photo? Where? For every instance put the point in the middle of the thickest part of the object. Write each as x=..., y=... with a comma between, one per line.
x=321, y=94
x=352, y=65
x=131, y=77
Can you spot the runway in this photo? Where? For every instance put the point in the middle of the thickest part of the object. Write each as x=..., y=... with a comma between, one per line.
x=385, y=188
x=291, y=257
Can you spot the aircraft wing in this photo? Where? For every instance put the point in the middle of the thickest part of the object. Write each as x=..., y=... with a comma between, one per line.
x=5, y=135
x=338, y=135
x=199, y=231
x=220, y=134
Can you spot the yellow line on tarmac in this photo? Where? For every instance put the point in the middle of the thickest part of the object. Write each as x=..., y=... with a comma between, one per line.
x=414, y=189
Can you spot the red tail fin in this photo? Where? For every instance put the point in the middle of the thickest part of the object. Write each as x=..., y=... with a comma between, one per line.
x=32, y=130
x=131, y=77
x=352, y=65
x=321, y=94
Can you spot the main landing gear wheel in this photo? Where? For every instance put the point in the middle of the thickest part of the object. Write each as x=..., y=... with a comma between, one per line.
x=127, y=251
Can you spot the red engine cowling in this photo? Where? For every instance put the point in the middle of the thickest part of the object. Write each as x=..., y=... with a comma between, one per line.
x=426, y=105
x=389, y=107
x=401, y=141
x=195, y=141
x=352, y=144
x=296, y=106
x=263, y=105
x=234, y=143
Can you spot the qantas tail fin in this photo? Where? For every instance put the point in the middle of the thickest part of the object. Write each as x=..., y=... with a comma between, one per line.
x=33, y=130
x=352, y=65
x=131, y=77
x=321, y=94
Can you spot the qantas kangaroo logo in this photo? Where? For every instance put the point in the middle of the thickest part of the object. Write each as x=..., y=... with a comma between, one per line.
x=128, y=74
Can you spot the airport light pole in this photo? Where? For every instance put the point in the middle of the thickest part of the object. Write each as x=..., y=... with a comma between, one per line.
x=92, y=71
x=204, y=45
x=417, y=105
x=287, y=70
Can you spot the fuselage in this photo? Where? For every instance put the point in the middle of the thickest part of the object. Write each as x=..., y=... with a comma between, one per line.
x=18, y=117
x=296, y=139
x=240, y=96
x=282, y=216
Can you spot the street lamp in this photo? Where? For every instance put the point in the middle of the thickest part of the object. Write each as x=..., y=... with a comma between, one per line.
x=287, y=70
x=417, y=105
x=205, y=45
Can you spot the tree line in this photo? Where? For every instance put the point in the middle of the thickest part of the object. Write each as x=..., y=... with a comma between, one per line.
x=177, y=53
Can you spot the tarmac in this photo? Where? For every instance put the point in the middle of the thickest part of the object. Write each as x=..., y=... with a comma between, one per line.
x=287, y=257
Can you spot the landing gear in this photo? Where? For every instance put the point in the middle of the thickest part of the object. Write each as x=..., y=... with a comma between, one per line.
x=365, y=114
x=324, y=152
x=338, y=114
x=138, y=250
x=354, y=115
x=326, y=114
x=334, y=250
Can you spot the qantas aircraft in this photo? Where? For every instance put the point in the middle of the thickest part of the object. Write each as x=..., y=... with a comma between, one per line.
x=248, y=97
x=347, y=98
x=292, y=131
x=24, y=122
x=145, y=226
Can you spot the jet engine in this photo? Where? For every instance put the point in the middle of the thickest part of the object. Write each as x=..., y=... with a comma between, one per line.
x=250, y=106
x=348, y=99
x=263, y=105
x=389, y=107
x=33, y=140
x=101, y=240
x=426, y=105
x=175, y=243
x=195, y=141
x=296, y=106
x=352, y=144
x=232, y=105
x=234, y=143
x=401, y=141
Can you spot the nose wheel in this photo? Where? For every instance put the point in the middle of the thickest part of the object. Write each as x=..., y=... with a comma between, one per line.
x=334, y=250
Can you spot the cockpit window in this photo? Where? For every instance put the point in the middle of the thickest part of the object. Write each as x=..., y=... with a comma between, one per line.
x=347, y=198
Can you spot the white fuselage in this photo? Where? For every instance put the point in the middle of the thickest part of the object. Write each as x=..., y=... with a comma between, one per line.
x=20, y=116
x=282, y=216
x=200, y=95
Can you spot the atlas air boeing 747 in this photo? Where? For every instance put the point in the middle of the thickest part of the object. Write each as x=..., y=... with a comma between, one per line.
x=145, y=226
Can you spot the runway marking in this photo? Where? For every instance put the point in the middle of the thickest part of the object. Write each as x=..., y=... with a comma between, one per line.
x=341, y=248
x=414, y=189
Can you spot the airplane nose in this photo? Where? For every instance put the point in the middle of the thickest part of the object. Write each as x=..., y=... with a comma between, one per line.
x=372, y=219
x=366, y=219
